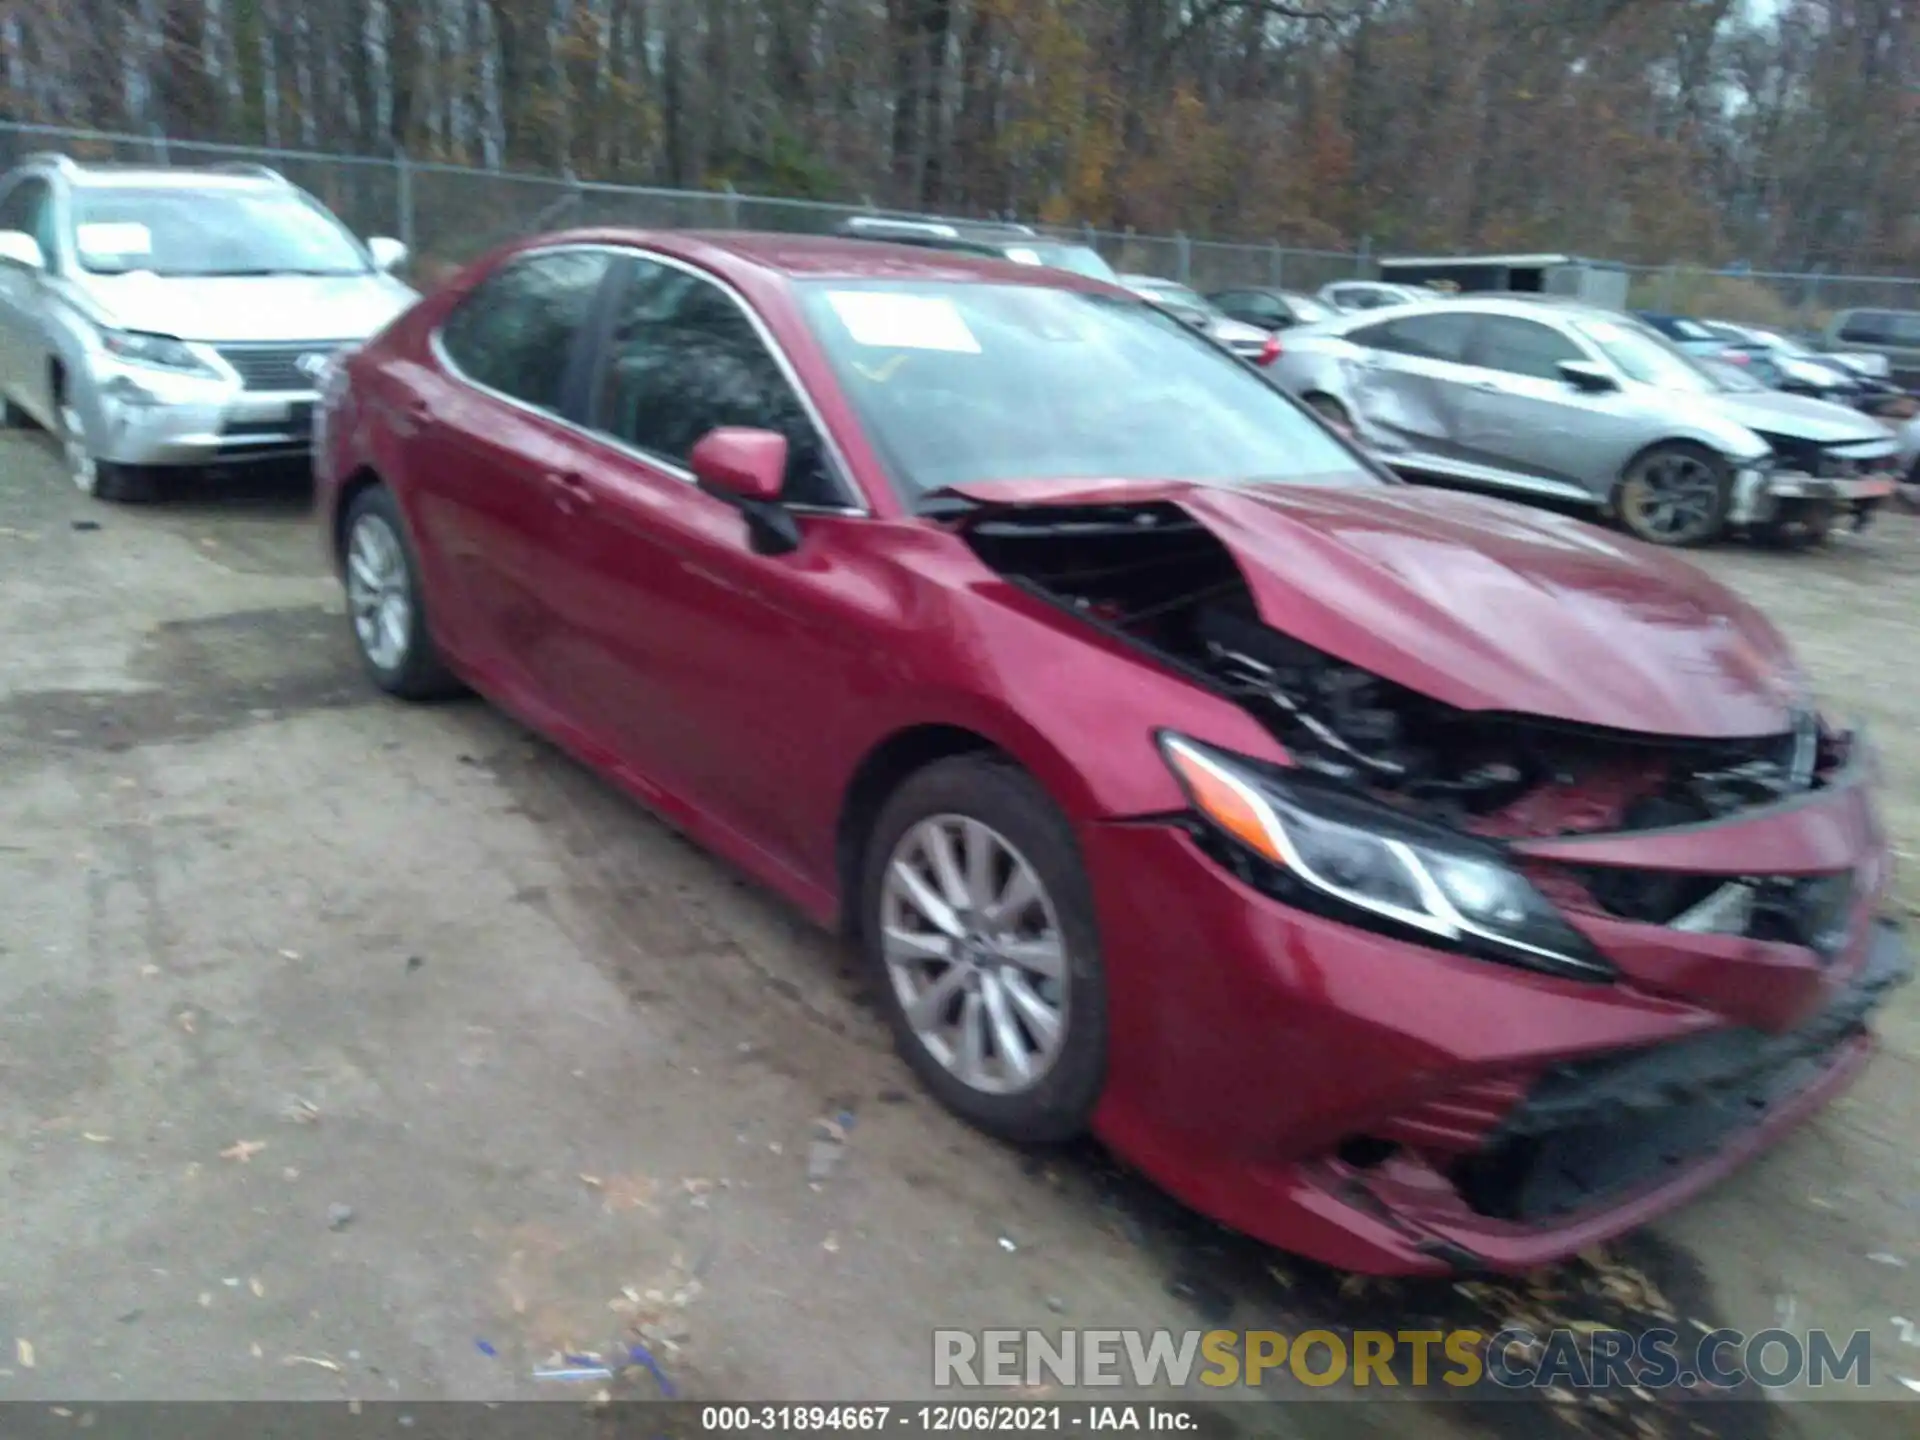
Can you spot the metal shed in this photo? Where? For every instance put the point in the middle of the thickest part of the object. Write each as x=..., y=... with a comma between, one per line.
x=1599, y=282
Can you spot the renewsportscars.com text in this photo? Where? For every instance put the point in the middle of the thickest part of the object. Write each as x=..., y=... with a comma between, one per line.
x=1513, y=1358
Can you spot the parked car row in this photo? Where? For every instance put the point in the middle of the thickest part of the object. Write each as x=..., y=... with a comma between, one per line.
x=1152, y=741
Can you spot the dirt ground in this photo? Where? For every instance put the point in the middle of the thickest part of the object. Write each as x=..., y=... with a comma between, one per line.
x=353, y=1049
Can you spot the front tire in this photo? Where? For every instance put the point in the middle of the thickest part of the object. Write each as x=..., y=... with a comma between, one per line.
x=384, y=603
x=1799, y=525
x=97, y=478
x=1675, y=495
x=978, y=924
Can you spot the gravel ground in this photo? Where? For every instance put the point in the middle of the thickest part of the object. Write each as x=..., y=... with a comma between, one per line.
x=353, y=1049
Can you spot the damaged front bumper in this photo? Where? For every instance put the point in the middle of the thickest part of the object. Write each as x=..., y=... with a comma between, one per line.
x=1598, y=1146
x=1759, y=491
x=1394, y=1109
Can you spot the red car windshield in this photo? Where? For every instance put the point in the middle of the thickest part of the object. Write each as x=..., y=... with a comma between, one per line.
x=961, y=384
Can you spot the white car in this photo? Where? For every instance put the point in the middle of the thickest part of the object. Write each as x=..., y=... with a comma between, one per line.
x=1249, y=342
x=156, y=318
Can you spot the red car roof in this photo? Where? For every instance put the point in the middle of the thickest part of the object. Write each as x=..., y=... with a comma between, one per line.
x=732, y=252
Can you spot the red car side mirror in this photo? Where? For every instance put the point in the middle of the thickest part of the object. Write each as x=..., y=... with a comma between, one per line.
x=741, y=464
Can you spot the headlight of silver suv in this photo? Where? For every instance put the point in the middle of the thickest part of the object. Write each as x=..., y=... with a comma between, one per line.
x=1331, y=851
x=158, y=352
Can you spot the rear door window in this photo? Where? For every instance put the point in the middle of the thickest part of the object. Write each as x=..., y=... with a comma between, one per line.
x=1427, y=337
x=1254, y=306
x=29, y=208
x=515, y=333
x=1521, y=347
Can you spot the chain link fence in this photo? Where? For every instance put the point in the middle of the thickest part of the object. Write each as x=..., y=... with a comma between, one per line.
x=449, y=214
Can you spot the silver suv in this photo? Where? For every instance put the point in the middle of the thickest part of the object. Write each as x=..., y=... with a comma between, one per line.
x=154, y=318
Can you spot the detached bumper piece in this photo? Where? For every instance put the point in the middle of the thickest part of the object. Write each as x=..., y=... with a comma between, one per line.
x=1593, y=1130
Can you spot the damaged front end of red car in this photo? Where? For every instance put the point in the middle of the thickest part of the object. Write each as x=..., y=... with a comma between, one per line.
x=1486, y=985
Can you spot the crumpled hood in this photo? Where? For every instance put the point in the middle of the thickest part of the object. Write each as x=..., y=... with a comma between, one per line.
x=1487, y=605
x=1773, y=412
x=225, y=309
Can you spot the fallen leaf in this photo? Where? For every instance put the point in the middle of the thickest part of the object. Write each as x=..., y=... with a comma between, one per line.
x=24, y=1350
x=206, y=1297
x=319, y=1360
x=630, y=1192
x=592, y=1182
x=831, y=1244
x=95, y=1138
x=243, y=1150
x=149, y=971
x=255, y=1350
x=259, y=1290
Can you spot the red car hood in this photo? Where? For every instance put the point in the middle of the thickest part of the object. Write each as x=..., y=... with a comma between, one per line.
x=1484, y=604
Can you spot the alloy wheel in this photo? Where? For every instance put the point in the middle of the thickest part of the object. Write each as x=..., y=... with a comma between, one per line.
x=379, y=592
x=975, y=952
x=1672, y=498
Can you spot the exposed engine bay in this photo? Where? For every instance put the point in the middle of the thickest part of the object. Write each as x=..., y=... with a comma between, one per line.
x=1158, y=578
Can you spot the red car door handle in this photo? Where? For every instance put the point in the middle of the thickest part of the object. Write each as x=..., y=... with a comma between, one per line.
x=570, y=491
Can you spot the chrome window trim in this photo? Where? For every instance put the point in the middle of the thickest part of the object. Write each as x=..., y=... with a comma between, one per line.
x=841, y=472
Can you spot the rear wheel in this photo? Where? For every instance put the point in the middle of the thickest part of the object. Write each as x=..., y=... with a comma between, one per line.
x=977, y=920
x=384, y=602
x=1675, y=495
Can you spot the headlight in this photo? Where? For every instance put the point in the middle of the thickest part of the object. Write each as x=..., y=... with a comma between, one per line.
x=1361, y=862
x=161, y=352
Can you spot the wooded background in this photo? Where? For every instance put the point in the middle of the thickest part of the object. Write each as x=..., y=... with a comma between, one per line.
x=1782, y=133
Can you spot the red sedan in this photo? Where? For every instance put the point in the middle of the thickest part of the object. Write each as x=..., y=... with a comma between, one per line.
x=1409, y=879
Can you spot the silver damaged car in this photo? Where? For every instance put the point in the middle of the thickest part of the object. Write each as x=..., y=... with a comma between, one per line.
x=1563, y=401
x=155, y=318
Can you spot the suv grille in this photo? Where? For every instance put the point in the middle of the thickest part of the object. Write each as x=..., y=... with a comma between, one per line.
x=277, y=367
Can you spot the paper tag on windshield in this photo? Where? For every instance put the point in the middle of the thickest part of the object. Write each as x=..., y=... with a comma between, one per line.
x=890, y=321
x=117, y=237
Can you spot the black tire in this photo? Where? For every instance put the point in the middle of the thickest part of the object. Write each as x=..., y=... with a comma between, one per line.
x=1329, y=410
x=100, y=479
x=127, y=484
x=1000, y=795
x=1707, y=495
x=1798, y=525
x=418, y=673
